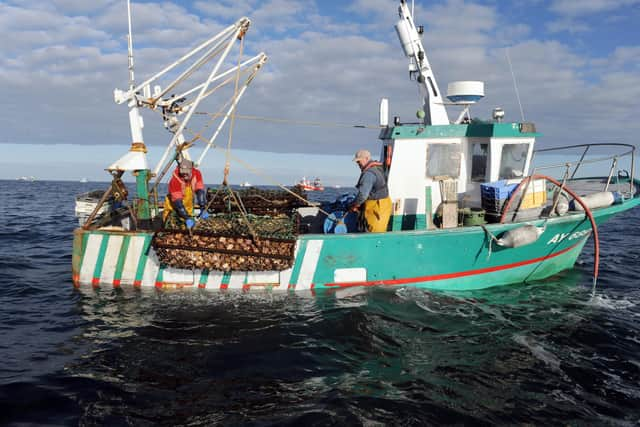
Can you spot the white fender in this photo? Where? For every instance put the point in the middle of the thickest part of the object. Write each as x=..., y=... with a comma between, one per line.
x=520, y=236
x=596, y=200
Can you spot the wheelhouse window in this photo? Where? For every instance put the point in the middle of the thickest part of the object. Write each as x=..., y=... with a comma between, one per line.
x=479, y=161
x=443, y=160
x=513, y=160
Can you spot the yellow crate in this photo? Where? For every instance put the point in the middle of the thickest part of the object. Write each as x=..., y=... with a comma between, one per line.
x=533, y=199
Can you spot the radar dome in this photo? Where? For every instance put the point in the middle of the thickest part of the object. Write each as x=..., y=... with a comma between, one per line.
x=465, y=92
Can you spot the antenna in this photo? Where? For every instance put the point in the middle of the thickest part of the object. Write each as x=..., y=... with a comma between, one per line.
x=130, y=48
x=515, y=85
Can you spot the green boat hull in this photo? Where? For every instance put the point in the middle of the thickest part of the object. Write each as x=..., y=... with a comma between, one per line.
x=456, y=259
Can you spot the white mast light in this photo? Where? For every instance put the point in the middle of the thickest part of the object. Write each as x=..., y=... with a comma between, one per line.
x=384, y=112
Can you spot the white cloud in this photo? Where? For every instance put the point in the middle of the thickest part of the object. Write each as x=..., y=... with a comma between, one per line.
x=66, y=57
x=590, y=7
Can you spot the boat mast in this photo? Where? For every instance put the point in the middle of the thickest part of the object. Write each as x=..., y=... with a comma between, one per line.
x=434, y=110
x=135, y=120
x=135, y=160
x=130, y=48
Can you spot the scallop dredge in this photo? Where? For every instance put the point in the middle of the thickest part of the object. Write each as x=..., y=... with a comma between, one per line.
x=248, y=230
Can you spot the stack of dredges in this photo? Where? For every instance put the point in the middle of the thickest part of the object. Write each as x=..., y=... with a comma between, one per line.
x=230, y=242
x=256, y=201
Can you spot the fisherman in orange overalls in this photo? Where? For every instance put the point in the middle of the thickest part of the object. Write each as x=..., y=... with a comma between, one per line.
x=184, y=183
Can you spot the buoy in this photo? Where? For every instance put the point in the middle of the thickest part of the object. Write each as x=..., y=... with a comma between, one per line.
x=597, y=200
x=520, y=236
x=335, y=223
x=561, y=203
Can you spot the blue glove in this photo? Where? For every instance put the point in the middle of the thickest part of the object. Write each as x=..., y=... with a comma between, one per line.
x=204, y=214
x=190, y=223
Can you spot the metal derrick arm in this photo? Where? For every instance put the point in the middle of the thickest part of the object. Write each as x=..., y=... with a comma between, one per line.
x=215, y=48
x=434, y=109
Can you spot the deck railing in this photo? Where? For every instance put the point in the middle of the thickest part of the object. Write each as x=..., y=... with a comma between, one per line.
x=620, y=151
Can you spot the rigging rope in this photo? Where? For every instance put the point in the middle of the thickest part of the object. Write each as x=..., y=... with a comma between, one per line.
x=295, y=122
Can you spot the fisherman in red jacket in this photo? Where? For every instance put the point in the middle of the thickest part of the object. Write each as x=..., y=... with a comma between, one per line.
x=184, y=183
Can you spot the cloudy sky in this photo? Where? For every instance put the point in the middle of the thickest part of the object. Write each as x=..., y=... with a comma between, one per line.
x=576, y=65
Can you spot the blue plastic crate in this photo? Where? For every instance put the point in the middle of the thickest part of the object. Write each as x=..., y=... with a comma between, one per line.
x=498, y=190
x=491, y=205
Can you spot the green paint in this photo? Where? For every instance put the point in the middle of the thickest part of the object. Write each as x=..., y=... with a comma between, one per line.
x=122, y=257
x=97, y=272
x=142, y=189
x=428, y=208
x=80, y=238
x=204, y=276
x=473, y=130
x=226, y=278
x=160, y=275
x=456, y=259
x=297, y=263
x=143, y=258
x=396, y=222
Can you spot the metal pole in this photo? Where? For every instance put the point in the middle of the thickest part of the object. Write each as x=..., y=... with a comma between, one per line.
x=103, y=199
x=580, y=161
x=130, y=47
x=613, y=166
x=185, y=57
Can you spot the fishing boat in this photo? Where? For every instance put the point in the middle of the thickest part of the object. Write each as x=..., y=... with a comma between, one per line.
x=308, y=185
x=473, y=204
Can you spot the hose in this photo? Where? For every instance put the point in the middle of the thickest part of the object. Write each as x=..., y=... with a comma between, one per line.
x=587, y=211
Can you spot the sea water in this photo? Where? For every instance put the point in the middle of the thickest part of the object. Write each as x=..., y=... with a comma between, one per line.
x=541, y=353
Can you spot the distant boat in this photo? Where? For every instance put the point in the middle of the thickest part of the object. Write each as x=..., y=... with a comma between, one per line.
x=83, y=180
x=245, y=184
x=87, y=202
x=308, y=185
x=26, y=178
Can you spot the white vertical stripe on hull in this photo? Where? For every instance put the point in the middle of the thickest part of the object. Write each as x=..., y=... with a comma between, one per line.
x=136, y=245
x=90, y=258
x=285, y=275
x=309, y=264
x=237, y=279
x=111, y=258
x=214, y=279
x=151, y=269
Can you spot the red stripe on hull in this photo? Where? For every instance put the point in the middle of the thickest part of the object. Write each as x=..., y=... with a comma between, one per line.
x=445, y=276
